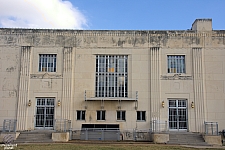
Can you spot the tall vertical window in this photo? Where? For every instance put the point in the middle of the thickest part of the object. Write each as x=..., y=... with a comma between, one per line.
x=111, y=76
x=176, y=63
x=47, y=63
x=121, y=115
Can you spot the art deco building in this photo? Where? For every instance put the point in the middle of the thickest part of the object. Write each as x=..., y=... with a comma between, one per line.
x=113, y=78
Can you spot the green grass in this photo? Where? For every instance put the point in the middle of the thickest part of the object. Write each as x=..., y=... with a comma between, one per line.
x=75, y=146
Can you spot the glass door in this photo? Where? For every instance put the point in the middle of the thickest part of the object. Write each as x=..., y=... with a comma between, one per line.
x=178, y=115
x=44, y=113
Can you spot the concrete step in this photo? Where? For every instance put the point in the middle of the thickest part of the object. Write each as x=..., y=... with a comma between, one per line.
x=186, y=138
x=34, y=137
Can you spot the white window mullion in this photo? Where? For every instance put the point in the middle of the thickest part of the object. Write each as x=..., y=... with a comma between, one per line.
x=117, y=76
x=124, y=70
x=107, y=84
x=104, y=76
x=98, y=76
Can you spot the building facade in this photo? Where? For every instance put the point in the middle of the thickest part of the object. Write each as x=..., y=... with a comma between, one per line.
x=113, y=78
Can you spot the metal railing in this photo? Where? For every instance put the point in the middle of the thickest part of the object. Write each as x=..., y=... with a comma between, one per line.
x=62, y=125
x=110, y=134
x=211, y=128
x=9, y=125
x=100, y=134
x=159, y=126
x=91, y=95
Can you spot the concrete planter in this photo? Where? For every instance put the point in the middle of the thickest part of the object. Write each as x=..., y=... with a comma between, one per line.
x=213, y=139
x=60, y=136
x=160, y=138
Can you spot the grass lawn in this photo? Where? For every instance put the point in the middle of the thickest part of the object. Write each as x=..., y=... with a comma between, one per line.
x=75, y=146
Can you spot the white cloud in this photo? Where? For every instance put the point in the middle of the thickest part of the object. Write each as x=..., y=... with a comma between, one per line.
x=40, y=14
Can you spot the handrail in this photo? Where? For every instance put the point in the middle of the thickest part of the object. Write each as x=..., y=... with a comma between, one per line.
x=211, y=128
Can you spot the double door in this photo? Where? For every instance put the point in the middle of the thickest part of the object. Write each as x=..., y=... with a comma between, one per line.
x=44, y=118
x=178, y=119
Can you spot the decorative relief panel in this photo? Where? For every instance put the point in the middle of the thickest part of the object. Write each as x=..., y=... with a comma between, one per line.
x=9, y=40
x=60, y=40
x=46, y=76
x=36, y=37
x=48, y=40
x=176, y=77
x=46, y=83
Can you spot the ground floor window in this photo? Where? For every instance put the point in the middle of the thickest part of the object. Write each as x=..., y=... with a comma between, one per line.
x=101, y=115
x=81, y=115
x=121, y=115
x=141, y=115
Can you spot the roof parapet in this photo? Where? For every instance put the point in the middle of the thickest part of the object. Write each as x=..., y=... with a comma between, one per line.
x=202, y=25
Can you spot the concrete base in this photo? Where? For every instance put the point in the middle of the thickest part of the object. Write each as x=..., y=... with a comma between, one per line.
x=160, y=138
x=60, y=136
x=213, y=140
x=13, y=134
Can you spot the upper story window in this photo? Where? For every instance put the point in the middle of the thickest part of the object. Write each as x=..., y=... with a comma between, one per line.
x=111, y=76
x=47, y=63
x=176, y=63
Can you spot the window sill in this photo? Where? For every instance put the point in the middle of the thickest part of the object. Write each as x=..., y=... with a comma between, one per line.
x=141, y=121
x=121, y=120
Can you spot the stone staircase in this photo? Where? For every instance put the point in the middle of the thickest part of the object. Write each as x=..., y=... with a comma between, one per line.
x=186, y=138
x=35, y=137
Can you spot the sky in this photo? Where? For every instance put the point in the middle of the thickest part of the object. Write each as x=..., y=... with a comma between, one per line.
x=110, y=14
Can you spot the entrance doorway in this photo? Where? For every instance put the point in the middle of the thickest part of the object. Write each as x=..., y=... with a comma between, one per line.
x=44, y=113
x=178, y=115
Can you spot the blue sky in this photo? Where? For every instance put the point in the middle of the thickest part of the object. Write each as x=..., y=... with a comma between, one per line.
x=150, y=14
x=110, y=14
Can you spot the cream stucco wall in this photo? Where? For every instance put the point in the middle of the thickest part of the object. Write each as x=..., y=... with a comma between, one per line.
x=76, y=50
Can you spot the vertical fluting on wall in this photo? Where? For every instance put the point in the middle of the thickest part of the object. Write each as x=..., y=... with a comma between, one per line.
x=25, y=65
x=155, y=83
x=67, y=90
x=198, y=83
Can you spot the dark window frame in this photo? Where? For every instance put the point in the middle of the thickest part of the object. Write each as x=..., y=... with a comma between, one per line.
x=121, y=115
x=81, y=114
x=101, y=115
x=141, y=115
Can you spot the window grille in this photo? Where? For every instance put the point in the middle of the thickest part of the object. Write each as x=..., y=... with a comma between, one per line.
x=47, y=63
x=111, y=76
x=176, y=63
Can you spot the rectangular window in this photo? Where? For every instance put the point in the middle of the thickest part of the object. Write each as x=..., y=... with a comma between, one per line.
x=47, y=63
x=101, y=115
x=121, y=115
x=81, y=115
x=140, y=115
x=176, y=63
x=111, y=76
